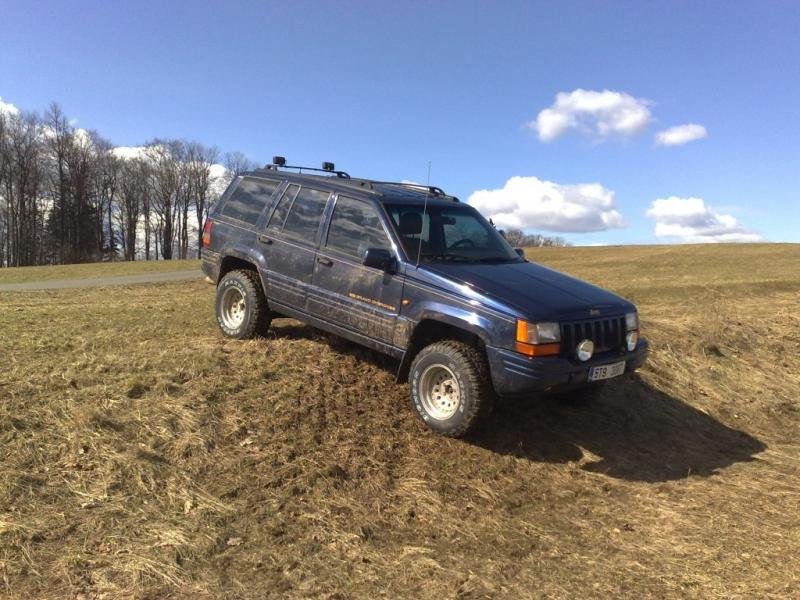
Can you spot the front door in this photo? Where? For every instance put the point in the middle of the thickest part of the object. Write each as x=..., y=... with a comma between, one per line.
x=289, y=241
x=363, y=299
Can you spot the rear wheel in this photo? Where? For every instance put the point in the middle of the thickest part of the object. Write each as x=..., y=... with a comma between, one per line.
x=451, y=388
x=241, y=307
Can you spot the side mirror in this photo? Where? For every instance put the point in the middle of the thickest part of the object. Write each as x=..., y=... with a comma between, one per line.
x=379, y=258
x=520, y=252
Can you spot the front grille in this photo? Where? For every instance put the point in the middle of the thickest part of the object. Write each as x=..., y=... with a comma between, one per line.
x=607, y=334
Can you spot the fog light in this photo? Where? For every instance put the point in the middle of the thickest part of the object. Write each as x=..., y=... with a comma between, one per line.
x=585, y=350
x=631, y=340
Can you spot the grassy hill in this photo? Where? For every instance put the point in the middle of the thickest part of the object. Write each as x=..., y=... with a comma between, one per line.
x=143, y=455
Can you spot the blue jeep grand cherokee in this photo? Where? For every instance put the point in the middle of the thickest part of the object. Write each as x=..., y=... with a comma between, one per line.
x=407, y=270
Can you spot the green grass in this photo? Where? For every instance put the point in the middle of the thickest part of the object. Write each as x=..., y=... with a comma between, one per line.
x=142, y=455
x=93, y=270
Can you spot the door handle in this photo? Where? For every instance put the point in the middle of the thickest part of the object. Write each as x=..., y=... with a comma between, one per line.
x=325, y=261
x=264, y=239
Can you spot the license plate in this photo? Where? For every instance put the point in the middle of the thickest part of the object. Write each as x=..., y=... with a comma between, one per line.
x=606, y=371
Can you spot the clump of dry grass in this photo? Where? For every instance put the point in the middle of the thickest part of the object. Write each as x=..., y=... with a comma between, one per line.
x=142, y=455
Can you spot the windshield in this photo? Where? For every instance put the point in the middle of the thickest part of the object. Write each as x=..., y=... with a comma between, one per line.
x=456, y=233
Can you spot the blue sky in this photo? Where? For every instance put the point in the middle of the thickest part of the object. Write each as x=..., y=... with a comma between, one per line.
x=383, y=88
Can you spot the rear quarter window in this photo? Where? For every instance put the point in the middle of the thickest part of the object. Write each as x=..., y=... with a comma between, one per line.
x=249, y=200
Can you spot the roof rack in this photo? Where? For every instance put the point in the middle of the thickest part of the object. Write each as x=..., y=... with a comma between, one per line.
x=429, y=189
x=279, y=162
x=327, y=167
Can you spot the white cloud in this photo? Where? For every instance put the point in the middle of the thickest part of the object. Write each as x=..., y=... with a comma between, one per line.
x=220, y=178
x=599, y=115
x=681, y=134
x=6, y=108
x=129, y=152
x=531, y=203
x=690, y=220
x=83, y=137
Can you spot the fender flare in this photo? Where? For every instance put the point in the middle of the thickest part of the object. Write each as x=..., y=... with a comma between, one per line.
x=464, y=320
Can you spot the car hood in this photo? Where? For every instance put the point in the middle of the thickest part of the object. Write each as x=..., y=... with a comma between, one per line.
x=539, y=293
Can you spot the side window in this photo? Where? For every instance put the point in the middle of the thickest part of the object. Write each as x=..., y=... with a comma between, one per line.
x=249, y=199
x=355, y=226
x=305, y=214
x=414, y=228
x=279, y=215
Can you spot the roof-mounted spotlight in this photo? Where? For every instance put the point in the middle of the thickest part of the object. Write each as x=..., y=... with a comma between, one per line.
x=327, y=166
x=278, y=161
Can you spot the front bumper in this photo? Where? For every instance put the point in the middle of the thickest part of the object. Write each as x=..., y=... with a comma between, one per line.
x=515, y=374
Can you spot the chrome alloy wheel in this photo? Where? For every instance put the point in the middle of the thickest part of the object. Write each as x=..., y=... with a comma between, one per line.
x=439, y=392
x=232, y=308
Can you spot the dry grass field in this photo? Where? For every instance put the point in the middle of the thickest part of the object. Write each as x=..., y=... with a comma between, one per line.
x=144, y=456
x=94, y=270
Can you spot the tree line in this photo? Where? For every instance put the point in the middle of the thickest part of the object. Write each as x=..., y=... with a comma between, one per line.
x=66, y=195
x=519, y=239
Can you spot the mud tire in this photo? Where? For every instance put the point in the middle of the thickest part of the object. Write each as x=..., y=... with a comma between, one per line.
x=468, y=365
x=252, y=316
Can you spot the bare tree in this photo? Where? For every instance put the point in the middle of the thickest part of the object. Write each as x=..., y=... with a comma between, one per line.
x=200, y=160
x=133, y=182
x=58, y=144
x=107, y=173
x=165, y=182
x=22, y=190
x=237, y=163
x=4, y=231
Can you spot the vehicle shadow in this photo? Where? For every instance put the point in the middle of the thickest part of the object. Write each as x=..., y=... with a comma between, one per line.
x=634, y=431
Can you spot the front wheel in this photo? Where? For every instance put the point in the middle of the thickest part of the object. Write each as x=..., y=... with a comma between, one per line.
x=451, y=388
x=241, y=306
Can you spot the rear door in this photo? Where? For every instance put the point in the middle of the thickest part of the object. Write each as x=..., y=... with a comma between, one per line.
x=238, y=213
x=289, y=243
x=363, y=299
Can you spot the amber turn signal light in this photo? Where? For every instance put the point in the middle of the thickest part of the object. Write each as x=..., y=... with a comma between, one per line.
x=524, y=345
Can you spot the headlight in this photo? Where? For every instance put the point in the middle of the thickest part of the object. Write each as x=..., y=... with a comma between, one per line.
x=631, y=321
x=538, y=333
x=538, y=339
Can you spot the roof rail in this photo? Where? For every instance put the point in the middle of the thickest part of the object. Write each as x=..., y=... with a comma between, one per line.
x=327, y=167
x=430, y=189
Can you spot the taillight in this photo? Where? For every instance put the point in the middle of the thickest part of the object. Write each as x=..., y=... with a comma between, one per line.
x=207, y=233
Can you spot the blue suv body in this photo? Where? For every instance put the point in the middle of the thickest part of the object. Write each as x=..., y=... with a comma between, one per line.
x=411, y=272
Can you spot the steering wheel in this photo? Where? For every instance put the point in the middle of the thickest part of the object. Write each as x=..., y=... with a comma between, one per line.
x=462, y=242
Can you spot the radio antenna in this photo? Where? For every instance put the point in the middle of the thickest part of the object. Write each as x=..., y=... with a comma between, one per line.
x=424, y=212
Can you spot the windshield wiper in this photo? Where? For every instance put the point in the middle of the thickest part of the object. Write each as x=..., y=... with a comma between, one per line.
x=495, y=259
x=447, y=256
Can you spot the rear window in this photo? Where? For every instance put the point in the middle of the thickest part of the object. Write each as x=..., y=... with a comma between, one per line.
x=249, y=199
